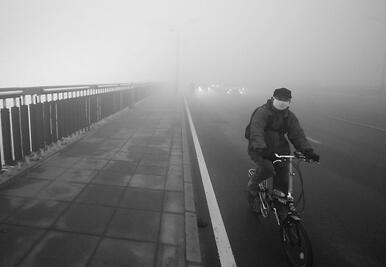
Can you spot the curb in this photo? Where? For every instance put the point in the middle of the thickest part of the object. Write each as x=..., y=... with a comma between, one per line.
x=192, y=243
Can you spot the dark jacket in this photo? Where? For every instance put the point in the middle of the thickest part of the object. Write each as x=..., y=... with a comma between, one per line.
x=269, y=127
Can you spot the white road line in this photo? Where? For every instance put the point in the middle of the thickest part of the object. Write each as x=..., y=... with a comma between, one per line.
x=313, y=140
x=223, y=246
x=360, y=124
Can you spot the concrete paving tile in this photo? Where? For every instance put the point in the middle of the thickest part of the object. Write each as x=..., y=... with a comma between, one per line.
x=24, y=186
x=15, y=241
x=189, y=197
x=111, y=178
x=151, y=169
x=90, y=163
x=61, y=161
x=156, y=162
x=9, y=205
x=134, y=148
x=176, y=153
x=101, y=154
x=60, y=190
x=158, y=156
x=94, y=139
x=148, y=181
x=175, y=160
x=186, y=157
x=62, y=249
x=142, y=199
x=167, y=256
x=85, y=218
x=158, y=150
x=162, y=144
x=172, y=229
x=138, y=141
x=187, y=173
x=46, y=172
x=174, y=202
x=135, y=224
x=111, y=143
x=193, y=252
x=40, y=213
x=120, y=166
x=77, y=175
x=101, y=194
x=174, y=182
x=176, y=170
x=79, y=148
x=110, y=147
x=123, y=253
x=127, y=156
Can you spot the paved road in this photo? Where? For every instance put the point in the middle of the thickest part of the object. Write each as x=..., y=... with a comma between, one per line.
x=345, y=194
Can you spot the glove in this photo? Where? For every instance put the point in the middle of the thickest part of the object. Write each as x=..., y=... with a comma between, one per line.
x=269, y=155
x=265, y=154
x=310, y=154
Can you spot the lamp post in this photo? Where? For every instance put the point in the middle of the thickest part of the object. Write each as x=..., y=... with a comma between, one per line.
x=177, y=59
x=178, y=29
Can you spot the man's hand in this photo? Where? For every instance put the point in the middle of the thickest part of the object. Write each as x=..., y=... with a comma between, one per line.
x=310, y=154
x=268, y=155
x=265, y=154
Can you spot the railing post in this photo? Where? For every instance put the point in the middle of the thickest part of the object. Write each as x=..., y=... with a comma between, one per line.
x=40, y=125
x=6, y=131
x=47, y=122
x=53, y=108
x=66, y=119
x=25, y=130
x=17, y=150
x=60, y=116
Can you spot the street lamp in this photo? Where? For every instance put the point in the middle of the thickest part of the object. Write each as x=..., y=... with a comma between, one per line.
x=178, y=29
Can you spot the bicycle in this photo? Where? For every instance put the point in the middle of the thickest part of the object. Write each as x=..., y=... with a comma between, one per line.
x=293, y=236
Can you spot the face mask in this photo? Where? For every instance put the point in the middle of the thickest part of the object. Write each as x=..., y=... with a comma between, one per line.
x=280, y=105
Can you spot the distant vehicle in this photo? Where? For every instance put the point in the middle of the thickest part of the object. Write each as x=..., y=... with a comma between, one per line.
x=220, y=89
x=236, y=91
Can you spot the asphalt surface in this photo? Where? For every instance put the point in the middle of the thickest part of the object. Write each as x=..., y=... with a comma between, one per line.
x=345, y=194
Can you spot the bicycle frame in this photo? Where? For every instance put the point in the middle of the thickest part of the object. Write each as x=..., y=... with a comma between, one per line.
x=294, y=238
x=291, y=172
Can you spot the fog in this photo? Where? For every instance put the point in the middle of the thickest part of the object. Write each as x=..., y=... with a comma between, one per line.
x=303, y=44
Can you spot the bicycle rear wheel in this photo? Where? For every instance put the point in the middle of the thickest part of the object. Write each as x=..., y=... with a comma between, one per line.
x=296, y=243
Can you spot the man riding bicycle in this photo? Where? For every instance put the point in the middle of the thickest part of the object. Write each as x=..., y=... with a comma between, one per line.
x=266, y=134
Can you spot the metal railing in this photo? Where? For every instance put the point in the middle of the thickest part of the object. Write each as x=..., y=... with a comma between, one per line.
x=33, y=118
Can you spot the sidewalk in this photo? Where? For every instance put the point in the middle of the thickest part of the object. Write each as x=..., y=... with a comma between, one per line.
x=120, y=196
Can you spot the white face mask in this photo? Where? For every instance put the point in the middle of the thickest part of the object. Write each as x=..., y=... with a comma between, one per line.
x=280, y=105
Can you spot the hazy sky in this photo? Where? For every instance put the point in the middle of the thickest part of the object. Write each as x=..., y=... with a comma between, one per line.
x=295, y=43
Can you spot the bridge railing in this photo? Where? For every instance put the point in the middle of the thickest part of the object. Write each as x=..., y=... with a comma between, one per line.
x=33, y=118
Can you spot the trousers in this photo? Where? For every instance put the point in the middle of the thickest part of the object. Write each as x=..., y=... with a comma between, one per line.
x=266, y=169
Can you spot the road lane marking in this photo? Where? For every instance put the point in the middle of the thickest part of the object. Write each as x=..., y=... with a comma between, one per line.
x=223, y=246
x=313, y=140
x=360, y=124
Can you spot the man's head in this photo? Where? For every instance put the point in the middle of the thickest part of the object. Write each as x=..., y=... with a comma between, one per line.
x=281, y=98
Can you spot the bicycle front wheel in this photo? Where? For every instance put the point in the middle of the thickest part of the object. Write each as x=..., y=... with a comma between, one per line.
x=296, y=243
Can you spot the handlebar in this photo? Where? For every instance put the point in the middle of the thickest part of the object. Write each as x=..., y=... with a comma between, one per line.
x=297, y=154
